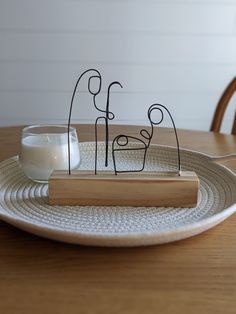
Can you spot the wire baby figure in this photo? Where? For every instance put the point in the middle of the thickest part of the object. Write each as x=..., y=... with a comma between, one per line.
x=121, y=142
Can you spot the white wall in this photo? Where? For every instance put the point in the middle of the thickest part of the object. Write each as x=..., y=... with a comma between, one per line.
x=180, y=53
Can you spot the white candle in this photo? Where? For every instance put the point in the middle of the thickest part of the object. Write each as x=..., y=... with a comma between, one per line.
x=43, y=153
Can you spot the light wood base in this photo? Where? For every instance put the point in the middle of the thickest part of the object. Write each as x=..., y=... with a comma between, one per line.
x=126, y=189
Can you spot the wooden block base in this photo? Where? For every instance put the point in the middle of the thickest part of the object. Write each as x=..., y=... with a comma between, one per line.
x=126, y=189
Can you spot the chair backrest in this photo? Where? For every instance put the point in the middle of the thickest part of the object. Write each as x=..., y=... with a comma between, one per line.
x=221, y=107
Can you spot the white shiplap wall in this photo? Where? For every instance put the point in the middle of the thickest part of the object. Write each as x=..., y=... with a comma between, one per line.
x=180, y=53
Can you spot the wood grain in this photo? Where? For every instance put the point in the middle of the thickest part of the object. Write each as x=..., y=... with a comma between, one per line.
x=196, y=275
x=127, y=189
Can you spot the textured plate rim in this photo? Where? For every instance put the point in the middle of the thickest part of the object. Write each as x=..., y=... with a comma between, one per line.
x=122, y=240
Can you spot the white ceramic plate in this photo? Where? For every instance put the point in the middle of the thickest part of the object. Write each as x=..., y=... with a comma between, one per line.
x=24, y=204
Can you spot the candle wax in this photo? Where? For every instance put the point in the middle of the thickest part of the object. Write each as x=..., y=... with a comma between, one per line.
x=41, y=154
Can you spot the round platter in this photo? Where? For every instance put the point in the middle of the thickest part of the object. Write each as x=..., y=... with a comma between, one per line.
x=23, y=203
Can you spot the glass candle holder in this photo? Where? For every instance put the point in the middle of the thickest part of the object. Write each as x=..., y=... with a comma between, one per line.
x=44, y=148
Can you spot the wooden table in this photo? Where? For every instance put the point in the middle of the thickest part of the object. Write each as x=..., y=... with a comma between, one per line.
x=197, y=275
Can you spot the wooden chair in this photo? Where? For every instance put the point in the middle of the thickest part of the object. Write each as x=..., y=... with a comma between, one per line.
x=221, y=107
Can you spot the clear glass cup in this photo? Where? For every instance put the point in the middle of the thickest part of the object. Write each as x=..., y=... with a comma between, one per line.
x=44, y=148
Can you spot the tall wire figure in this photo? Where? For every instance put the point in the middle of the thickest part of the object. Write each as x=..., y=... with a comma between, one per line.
x=108, y=115
x=98, y=75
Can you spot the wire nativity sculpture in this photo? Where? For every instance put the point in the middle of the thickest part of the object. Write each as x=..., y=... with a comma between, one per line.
x=121, y=142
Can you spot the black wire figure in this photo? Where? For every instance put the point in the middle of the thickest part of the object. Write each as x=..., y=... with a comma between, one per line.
x=121, y=142
x=107, y=117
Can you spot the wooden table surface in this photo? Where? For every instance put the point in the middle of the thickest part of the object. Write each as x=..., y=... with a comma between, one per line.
x=196, y=275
